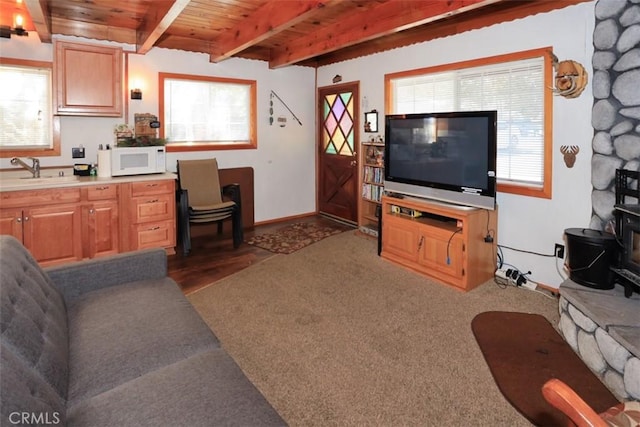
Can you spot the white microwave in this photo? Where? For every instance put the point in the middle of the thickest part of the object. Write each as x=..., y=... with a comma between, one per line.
x=138, y=160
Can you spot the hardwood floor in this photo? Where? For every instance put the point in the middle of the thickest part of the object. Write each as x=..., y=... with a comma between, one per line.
x=213, y=257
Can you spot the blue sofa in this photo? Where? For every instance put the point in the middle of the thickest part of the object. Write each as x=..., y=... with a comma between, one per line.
x=113, y=342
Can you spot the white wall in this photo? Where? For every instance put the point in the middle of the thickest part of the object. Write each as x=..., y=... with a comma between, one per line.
x=283, y=163
x=526, y=223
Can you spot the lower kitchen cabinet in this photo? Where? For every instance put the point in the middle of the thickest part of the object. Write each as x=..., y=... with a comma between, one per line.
x=49, y=223
x=149, y=211
x=101, y=216
x=60, y=225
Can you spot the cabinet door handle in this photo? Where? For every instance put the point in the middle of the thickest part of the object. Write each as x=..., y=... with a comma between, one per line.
x=152, y=185
x=18, y=219
x=26, y=218
x=154, y=228
x=92, y=211
x=420, y=243
x=153, y=201
x=102, y=188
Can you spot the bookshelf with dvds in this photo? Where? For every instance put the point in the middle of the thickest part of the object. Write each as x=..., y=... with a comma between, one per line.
x=371, y=185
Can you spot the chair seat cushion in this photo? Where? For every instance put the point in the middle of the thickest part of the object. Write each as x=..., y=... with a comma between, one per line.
x=224, y=206
x=207, y=389
x=113, y=338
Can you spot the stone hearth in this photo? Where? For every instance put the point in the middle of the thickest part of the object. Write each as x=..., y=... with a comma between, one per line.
x=603, y=328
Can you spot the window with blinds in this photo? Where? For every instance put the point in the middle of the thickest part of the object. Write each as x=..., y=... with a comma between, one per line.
x=25, y=108
x=208, y=112
x=516, y=88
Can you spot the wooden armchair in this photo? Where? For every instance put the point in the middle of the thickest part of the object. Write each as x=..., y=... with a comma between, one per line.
x=580, y=414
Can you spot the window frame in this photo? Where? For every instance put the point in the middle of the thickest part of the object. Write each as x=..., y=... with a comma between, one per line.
x=210, y=145
x=543, y=191
x=55, y=149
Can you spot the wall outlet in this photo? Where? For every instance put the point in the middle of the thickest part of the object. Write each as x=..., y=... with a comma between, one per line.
x=558, y=250
x=77, y=152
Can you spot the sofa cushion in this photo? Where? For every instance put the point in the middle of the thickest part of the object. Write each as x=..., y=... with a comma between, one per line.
x=125, y=331
x=207, y=389
x=33, y=318
x=24, y=391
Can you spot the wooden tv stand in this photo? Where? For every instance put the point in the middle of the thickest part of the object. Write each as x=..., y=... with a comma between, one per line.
x=445, y=242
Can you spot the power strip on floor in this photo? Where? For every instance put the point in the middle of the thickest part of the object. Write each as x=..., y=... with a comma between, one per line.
x=515, y=278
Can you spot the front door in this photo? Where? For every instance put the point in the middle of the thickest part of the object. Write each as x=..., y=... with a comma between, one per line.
x=338, y=165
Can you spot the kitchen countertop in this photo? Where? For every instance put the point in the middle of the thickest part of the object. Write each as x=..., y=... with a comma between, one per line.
x=21, y=179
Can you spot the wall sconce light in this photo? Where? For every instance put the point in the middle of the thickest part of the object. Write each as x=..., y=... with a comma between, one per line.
x=6, y=31
x=337, y=78
x=136, y=93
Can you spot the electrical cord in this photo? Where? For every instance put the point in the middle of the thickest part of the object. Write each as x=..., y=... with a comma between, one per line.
x=527, y=252
x=558, y=270
x=449, y=244
x=490, y=236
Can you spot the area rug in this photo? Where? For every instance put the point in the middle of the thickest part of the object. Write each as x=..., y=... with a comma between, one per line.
x=523, y=351
x=293, y=237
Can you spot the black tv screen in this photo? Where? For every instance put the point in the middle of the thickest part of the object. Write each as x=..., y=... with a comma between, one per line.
x=449, y=156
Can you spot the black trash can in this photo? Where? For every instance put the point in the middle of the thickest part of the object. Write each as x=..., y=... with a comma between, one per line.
x=590, y=256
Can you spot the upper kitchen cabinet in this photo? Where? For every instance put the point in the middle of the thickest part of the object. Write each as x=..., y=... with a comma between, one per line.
x=88, y=80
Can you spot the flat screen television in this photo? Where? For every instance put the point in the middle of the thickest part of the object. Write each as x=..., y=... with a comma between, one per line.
x=449, y=157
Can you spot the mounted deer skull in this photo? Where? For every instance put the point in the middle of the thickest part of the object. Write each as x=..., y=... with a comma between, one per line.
x=569, y=152
x=571, y=78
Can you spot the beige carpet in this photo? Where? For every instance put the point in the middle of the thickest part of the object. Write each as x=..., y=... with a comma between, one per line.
x=333, y=335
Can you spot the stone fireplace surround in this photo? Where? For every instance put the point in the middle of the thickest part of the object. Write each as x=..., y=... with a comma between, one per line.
x=603, y=328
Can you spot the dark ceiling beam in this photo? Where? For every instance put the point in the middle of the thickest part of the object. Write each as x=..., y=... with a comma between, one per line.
x=273, y=17
x=387, y=18
x=155, y=23
x=41, y=18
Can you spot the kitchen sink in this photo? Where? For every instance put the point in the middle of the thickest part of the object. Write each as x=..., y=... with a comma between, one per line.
x=43, y=180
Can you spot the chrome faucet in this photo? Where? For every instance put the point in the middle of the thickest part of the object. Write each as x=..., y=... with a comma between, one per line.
x=34, y=168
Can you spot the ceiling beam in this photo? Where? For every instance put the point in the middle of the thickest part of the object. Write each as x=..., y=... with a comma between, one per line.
x=269, y=19
x=92, y=31
x=358, y=27
x=158, y=18
x=41, y=18
x=495, y=14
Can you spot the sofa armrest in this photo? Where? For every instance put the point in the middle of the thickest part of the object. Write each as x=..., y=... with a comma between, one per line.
x=77, y=278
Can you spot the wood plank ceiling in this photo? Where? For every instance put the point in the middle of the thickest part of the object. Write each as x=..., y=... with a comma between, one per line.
x=282, y=32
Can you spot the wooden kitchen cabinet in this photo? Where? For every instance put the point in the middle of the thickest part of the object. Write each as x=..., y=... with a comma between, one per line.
x=47, y=222
x=11, y=222
x=101, y=220
x=87, y=80
x=445, y=242
x=60, y=225
x=150, y=209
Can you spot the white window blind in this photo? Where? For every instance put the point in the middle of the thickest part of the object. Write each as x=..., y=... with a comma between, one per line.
x=206, y=111
x=515, y=89
x=25, y=107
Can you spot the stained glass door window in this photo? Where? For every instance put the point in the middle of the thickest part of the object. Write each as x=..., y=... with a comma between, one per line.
x=338, y=129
